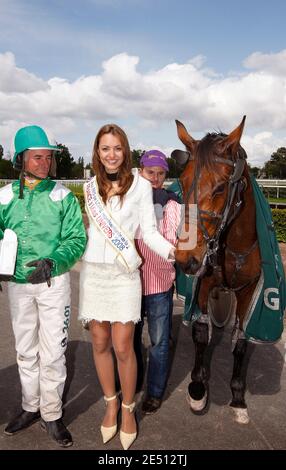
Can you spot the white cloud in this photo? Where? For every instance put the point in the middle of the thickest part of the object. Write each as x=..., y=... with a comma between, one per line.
x=189, y=92
x=261, y=146
x=14, y=79
x=273, y=63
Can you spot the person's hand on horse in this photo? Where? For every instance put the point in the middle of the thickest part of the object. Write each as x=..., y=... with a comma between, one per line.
x=42, y=273
x=171, y=256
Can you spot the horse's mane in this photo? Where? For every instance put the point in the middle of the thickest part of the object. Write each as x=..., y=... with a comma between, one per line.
x=206, y=149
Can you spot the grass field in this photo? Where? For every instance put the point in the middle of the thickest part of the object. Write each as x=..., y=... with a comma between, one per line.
x=75, y=188
x=274, y=199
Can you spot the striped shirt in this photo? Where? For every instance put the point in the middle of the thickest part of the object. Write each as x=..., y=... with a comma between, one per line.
x=157, y=274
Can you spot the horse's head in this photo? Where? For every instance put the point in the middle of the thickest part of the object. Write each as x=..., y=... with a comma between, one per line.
x=210, y=180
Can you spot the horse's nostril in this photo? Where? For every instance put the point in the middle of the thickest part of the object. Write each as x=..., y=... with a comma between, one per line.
x=194, y=263
x=191, y=266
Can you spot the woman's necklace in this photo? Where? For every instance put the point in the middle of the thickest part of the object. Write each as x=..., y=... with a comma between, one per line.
x=112, y=176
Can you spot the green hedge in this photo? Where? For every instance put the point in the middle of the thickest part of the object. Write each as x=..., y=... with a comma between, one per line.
x=279, y=219
x=80, y=200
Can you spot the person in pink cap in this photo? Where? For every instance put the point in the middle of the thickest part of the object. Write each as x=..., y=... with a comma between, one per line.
x=157, y=277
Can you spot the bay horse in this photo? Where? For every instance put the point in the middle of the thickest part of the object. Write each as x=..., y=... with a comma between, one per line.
x=226, y=256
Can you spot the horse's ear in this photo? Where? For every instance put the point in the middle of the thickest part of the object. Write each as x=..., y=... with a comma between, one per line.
x=233, y=139
x=235, y=136
x=184, y=136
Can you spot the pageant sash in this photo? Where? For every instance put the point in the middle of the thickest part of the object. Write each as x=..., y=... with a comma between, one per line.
x=127, y=254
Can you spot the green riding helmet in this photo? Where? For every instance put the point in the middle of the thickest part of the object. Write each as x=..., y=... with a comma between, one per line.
x=30, y=138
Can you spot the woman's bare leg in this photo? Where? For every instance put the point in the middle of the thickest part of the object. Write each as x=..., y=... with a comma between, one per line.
x=103, y=359
x=122, y=340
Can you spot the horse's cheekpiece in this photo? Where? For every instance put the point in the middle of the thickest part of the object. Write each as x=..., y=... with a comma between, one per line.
x=221, y=305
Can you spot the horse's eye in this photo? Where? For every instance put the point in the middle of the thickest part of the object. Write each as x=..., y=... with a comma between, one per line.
x=218, y=189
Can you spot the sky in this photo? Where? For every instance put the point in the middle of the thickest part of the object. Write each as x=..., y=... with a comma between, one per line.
x=72, y=66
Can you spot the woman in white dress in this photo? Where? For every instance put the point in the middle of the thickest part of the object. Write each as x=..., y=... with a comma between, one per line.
x=118, y=201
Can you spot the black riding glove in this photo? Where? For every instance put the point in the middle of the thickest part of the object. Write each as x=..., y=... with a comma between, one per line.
x=162, y=196
x=42, y=273
x=4, y=278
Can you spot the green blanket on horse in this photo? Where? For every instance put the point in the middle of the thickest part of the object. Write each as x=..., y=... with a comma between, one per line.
x=264, y=319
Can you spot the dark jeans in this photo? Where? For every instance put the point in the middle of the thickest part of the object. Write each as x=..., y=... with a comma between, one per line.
x=158, y=309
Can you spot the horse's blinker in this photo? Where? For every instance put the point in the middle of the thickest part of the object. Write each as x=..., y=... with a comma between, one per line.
x=181, y=157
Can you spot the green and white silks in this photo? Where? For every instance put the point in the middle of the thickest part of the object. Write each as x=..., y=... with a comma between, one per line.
x=48, y=224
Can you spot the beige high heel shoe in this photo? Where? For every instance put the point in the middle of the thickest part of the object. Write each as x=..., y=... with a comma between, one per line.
x=127, y=439
x=108, y=432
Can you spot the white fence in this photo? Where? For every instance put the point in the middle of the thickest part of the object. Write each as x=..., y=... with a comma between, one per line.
x=278, y=184
x=264, y=183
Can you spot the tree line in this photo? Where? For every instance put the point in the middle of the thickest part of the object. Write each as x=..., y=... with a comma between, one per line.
x=68, y=168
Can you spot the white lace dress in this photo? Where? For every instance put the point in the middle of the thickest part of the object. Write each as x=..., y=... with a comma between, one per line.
x=108, y=294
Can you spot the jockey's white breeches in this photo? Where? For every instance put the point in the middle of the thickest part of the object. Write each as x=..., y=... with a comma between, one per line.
x=40, y=319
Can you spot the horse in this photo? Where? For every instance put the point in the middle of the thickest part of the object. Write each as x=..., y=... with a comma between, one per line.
x=226, y=257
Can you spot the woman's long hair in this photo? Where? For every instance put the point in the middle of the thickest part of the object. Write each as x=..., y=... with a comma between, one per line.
x=125, y=176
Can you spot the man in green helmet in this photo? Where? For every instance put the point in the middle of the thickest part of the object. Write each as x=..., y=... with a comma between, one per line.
x=47, y=220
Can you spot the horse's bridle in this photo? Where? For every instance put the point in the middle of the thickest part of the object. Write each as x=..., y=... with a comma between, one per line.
x=236, y=185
